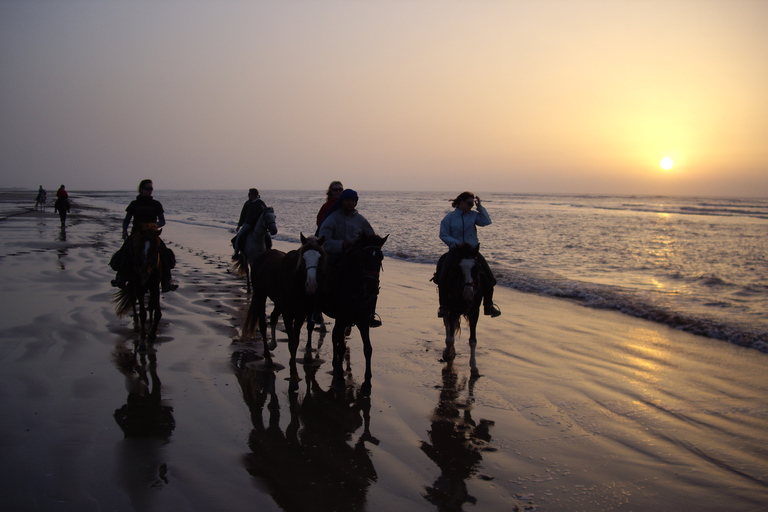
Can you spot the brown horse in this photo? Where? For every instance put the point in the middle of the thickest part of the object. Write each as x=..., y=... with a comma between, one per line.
x=350, y=298
x=146, y=271
x=291, y=280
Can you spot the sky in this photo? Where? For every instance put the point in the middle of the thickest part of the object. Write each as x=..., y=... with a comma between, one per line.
x=539, y=96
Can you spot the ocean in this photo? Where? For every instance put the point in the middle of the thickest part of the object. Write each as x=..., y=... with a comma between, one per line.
x=696, y=264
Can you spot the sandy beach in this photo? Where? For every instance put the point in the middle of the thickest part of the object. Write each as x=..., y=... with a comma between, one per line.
x=574, y=409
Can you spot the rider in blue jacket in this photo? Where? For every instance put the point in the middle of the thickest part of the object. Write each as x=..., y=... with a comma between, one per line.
x=460, y=226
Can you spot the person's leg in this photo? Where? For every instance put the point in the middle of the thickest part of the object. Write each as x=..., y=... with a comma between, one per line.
x=245, y=228
x=168, y=261
x=444, y=265
x=489, y=308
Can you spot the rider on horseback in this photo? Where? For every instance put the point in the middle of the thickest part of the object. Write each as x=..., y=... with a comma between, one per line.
x=340, y=228
x=250, y=213
x=460, y=226
x=143, y=210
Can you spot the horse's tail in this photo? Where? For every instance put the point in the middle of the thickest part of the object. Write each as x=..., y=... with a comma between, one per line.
x=123, y=301
x=251, y=323
x=240, y=266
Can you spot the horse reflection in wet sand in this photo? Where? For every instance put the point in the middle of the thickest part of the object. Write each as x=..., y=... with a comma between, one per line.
x=456, y=443
x=466, y=283
x=292, y=281
x=146, y=271
x=254, y=244
x=310, y=464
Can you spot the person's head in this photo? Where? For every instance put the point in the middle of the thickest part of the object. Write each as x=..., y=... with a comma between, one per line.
x=253, y=194
x=334, y=190
x=464, y=201
x=62, y=186
x=348, y=200
x=145, y=187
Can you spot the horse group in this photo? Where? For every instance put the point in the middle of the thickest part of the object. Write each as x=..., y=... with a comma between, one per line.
x=303, y=285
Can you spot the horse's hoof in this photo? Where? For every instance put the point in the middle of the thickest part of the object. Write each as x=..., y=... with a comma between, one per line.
x=272, y=345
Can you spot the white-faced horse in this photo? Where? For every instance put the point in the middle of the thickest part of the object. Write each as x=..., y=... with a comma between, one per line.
x=464, y=282
x=255, y=243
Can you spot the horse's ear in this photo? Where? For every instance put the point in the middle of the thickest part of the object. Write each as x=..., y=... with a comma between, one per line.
x=303, y=238
x=384, y=240
x=159, y=231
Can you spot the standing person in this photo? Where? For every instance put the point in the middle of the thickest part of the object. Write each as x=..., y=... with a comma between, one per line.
x=331, y=195
x=460, y=226
x=62, y=206
x=249, y=214
x=143, y=210
x=341, y=228
x=61, y=192
x=40, y=199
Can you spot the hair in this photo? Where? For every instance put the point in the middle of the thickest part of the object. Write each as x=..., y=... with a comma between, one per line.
x=329, y=193
x=253, y=191
x=461, y=198
x=143, y=184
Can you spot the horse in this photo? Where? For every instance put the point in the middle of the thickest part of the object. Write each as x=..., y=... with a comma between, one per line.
x=465, y=284
x=255, y=243
x=146, y=271
x=291, y=280
x=350, y=298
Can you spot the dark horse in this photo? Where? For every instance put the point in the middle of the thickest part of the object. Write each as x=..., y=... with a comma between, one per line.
x=291, y=280
x=350, y=298
x=255, y=243
x=466, y=282
x=146, y=270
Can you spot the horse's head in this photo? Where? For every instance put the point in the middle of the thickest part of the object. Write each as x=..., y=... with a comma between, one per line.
x=146, y=242
x=367, y=253
x=466, y=262
x=313, y=257
x=268, y=220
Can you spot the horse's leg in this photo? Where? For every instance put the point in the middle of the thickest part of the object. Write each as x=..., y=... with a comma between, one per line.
x=142, y=315
x=273, y=318
x=154, y=311
x=136, y=320
x=365, y=334
x=339, y=350
x=450, y=321
x=308, y=348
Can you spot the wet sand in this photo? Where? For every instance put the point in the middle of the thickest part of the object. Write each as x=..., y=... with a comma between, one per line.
x=574, y=409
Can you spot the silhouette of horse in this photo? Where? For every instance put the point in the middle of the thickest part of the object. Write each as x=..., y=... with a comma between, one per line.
x=350, y=298
x=291, y=280
x=465, y=281
x=255, y=243
x=146, y=271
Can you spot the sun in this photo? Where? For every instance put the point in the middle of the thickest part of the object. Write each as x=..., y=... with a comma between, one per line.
x=666, y=163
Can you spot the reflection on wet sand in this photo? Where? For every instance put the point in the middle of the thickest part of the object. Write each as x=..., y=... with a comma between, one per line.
x=456, y=442
x=311, y=464
x=147, y=424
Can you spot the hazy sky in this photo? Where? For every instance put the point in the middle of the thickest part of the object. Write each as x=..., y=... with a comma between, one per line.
x=514, y=96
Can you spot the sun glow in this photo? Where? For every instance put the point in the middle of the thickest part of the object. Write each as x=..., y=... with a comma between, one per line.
x=666, y=163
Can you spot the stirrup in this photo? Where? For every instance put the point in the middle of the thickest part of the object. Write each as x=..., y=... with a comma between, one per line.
x=493, y=310
x=374, y=321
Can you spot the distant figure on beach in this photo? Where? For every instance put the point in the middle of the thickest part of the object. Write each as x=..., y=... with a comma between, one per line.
x=40, y=199
x=249, y=214
x=341, y=227
x=62, y=207
x=331, y=195
x=61, y=192
x=460, y=227
x=143, y=210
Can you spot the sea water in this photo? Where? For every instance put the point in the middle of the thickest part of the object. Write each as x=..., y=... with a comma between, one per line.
x=697, y=264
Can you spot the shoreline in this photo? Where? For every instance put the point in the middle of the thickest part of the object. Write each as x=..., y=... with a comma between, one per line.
x=574, y=409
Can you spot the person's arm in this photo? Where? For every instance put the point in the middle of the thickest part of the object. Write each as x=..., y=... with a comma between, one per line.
x=445, y=233
x=483, y=219
x=126, y=224
x=327, y=230
x=160, y=219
